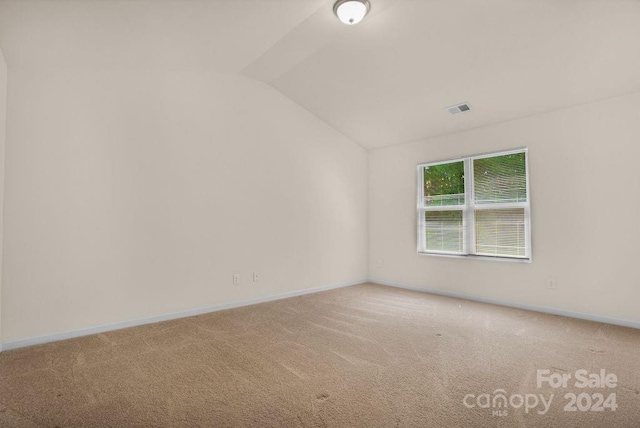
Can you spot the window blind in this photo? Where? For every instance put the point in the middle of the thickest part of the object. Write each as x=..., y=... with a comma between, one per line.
x=444, y=231
x=500, y=192
x=500, y=179
x=500, y=232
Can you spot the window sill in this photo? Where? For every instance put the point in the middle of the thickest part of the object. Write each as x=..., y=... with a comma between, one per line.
x=476, y=257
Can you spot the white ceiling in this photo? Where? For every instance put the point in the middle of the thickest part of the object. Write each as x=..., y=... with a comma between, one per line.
x=211, y=35
x=382, y=82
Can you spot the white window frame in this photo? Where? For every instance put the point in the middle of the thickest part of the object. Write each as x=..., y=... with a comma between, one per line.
x=469, y=208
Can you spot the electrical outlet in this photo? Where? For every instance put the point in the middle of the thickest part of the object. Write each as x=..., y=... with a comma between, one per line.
x=256, y=277
x=236, y=278
x=380, y=263
x=551, y=283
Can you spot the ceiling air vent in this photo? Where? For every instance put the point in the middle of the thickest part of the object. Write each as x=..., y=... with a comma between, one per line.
x=460, y=108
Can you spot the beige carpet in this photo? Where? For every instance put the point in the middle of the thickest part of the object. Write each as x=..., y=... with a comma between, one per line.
x=366, y=355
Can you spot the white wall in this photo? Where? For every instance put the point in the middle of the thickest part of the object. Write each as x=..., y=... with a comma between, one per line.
x=584, y=179
x=3, y=129
x=131, y=194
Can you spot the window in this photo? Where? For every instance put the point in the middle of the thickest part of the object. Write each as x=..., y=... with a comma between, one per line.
x=475, y=206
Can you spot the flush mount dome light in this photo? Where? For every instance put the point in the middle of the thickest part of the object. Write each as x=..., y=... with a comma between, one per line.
x=351, y=11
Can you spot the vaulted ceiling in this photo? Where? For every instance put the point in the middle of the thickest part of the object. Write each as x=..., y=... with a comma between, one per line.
x=385, y=81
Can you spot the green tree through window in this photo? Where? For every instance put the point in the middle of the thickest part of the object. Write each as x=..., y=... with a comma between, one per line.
x=444, y=184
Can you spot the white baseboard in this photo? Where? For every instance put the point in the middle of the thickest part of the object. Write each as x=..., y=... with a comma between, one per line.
x=534, y=308
x=21, y=343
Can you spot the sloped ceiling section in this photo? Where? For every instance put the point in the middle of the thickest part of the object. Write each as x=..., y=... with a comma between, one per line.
x=390, y=79
x=385, y=81
x=197, y=35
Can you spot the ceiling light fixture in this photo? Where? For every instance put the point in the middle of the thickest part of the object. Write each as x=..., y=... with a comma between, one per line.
x=351, y=12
